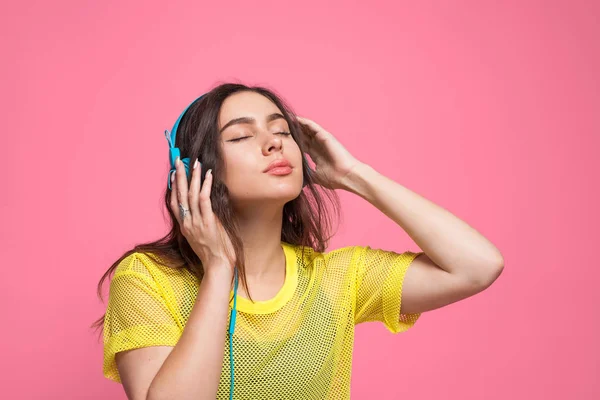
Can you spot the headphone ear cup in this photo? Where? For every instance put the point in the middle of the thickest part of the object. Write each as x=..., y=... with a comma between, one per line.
x=173, y=154
x=174, y=151
x=186, y=164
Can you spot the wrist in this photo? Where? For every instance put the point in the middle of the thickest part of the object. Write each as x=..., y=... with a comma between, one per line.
x=219, y=272
x=356, y=181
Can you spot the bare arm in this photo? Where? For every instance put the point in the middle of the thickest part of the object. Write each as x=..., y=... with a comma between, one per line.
x=458, y=261
x=192, y=368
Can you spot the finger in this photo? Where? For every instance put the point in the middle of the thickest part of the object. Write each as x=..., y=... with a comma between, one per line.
x=194, y=190
x=304, y=136
x=308, y=130
x=310, y=145
x=182, y=190
x=205, y=205
x=315, y=131
x=306, y=145
x=312, y=124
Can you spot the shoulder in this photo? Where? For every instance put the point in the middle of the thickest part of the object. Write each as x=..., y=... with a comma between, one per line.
x=346, y=251
x=136, y=262
x=346, y=255
x=150, y=265
x=150, y=272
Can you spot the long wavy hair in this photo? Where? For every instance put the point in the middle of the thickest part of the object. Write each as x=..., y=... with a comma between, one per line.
x=307, y=221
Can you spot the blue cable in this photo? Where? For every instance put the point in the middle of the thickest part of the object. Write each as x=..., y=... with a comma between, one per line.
x=173, y=154
x=231, y=329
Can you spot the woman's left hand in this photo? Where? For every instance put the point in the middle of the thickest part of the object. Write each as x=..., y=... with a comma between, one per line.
x=332, y=161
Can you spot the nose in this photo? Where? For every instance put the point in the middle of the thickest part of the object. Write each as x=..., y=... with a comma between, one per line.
x=273, y=143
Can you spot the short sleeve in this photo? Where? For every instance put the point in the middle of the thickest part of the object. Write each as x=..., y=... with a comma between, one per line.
x=137, y=314
x=378, y=291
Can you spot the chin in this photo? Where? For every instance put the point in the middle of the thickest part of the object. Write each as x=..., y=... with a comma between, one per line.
x=282, y=192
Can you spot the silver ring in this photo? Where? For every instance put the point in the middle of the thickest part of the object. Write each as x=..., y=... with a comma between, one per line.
x=182, y=211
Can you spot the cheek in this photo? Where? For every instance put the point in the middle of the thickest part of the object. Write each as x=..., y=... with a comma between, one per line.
x=296, y=156
x=238, y=166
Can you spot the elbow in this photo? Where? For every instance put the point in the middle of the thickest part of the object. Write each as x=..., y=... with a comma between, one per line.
x=489, y=276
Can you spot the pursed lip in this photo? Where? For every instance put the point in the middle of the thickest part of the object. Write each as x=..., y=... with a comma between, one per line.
x=281, y=162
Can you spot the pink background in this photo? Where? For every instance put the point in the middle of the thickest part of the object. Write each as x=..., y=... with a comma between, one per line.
x=489, y=109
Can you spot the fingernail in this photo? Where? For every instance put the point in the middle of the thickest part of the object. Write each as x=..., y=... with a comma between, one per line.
x=172, y=177
x=177, y=162
x=195, y=163
x=209, y=172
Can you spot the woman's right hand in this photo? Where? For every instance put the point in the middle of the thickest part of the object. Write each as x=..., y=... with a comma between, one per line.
x=200, y=226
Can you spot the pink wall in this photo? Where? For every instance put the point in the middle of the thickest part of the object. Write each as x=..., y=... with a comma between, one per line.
x=489, y=109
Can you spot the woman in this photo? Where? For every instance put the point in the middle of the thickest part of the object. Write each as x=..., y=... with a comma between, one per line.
x=254, y=208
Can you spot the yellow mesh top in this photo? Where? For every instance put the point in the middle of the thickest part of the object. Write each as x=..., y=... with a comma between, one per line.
x=297, y=345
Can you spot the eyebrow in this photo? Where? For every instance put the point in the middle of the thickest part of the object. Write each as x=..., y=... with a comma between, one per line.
x=250, y=120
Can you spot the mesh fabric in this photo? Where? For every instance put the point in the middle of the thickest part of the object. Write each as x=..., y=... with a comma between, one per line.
x=296, y=345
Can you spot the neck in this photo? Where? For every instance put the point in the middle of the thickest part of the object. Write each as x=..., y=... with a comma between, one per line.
x=260, y=230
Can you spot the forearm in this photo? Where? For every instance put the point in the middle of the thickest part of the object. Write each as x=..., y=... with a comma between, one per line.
x=193, y=368
x=450, y=242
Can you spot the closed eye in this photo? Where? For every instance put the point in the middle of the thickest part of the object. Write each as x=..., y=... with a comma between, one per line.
x=238, y=139
x=245, y=137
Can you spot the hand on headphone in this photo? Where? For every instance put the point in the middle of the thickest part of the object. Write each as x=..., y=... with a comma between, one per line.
x=200, y=226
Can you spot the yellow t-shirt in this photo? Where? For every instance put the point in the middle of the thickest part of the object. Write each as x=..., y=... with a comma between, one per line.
x=297, y=345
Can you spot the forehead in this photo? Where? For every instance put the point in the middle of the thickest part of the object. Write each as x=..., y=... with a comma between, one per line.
x=246, y=104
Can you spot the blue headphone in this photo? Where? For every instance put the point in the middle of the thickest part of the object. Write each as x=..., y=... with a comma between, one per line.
x=174, y=151
x=173, y=154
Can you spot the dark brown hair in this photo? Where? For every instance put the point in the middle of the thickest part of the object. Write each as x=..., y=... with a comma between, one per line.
x=306, y=219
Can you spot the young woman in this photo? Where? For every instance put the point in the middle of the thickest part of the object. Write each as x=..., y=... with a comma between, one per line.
x=252, y=207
